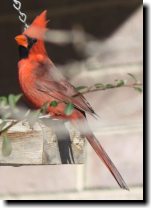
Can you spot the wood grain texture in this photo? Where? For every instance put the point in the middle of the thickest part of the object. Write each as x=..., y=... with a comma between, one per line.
x=43, y=145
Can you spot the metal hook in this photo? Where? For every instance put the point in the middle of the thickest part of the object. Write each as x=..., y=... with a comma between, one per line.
x=17, y=5
x=22, y=16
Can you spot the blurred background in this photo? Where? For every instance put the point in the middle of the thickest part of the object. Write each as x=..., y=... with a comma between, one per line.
x=110, y=46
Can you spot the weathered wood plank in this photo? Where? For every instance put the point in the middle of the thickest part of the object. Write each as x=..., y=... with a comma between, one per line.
x=43, y=145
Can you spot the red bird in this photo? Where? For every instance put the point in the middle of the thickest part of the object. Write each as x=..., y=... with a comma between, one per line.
x=41, y=82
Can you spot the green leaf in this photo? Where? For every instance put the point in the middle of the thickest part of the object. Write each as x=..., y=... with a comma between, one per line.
x=54, y=103
x=109, y=86
x=11, y=100
x=80, y=87
x=17, y=97
x=133, y=77
x=2, y=125
x=3, y=101
x=6, y=146
x=119, y=83
x=69, y=109
x=138, y=89
x=99, y=85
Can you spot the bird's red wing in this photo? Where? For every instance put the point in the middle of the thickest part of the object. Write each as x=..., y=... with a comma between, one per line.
x=62, y=93
x=50, y=81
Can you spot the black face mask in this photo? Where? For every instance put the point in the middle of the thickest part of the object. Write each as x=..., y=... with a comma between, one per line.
x=23, y=51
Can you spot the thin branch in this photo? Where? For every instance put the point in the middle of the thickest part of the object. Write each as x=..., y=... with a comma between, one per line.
x=83, y=90
x=94, y=89
x=8, y=127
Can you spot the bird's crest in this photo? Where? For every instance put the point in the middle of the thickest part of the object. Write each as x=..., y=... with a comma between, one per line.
x=37, y=30
x=39, y=21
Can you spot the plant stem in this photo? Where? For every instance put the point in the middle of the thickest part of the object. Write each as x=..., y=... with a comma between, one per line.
x=8, y=127
x=94, y=89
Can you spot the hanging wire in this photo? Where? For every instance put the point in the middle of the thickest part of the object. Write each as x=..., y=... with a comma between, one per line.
x=22, y=16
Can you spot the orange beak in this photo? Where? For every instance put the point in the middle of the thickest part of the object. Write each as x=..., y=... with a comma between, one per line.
x=22, y=40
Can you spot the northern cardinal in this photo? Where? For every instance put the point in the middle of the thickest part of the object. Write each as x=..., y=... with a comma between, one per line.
x=42, y=82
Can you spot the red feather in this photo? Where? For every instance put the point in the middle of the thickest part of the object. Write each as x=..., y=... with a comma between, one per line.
x=37, y=30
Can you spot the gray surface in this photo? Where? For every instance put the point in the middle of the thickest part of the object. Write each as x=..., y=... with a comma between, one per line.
x=134, y=194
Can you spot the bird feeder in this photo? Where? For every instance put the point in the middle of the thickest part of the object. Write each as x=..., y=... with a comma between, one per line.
x=43, y=145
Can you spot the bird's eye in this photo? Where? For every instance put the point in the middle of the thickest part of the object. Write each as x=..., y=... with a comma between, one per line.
x=34, y=41
x=31, y=41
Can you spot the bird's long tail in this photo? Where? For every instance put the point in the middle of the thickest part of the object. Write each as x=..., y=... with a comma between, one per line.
x=103, y=156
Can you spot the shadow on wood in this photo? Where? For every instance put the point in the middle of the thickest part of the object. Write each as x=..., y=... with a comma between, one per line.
x=64, y=142
x=49, y=144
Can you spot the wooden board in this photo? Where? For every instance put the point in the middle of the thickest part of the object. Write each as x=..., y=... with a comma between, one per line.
x=44, y=145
